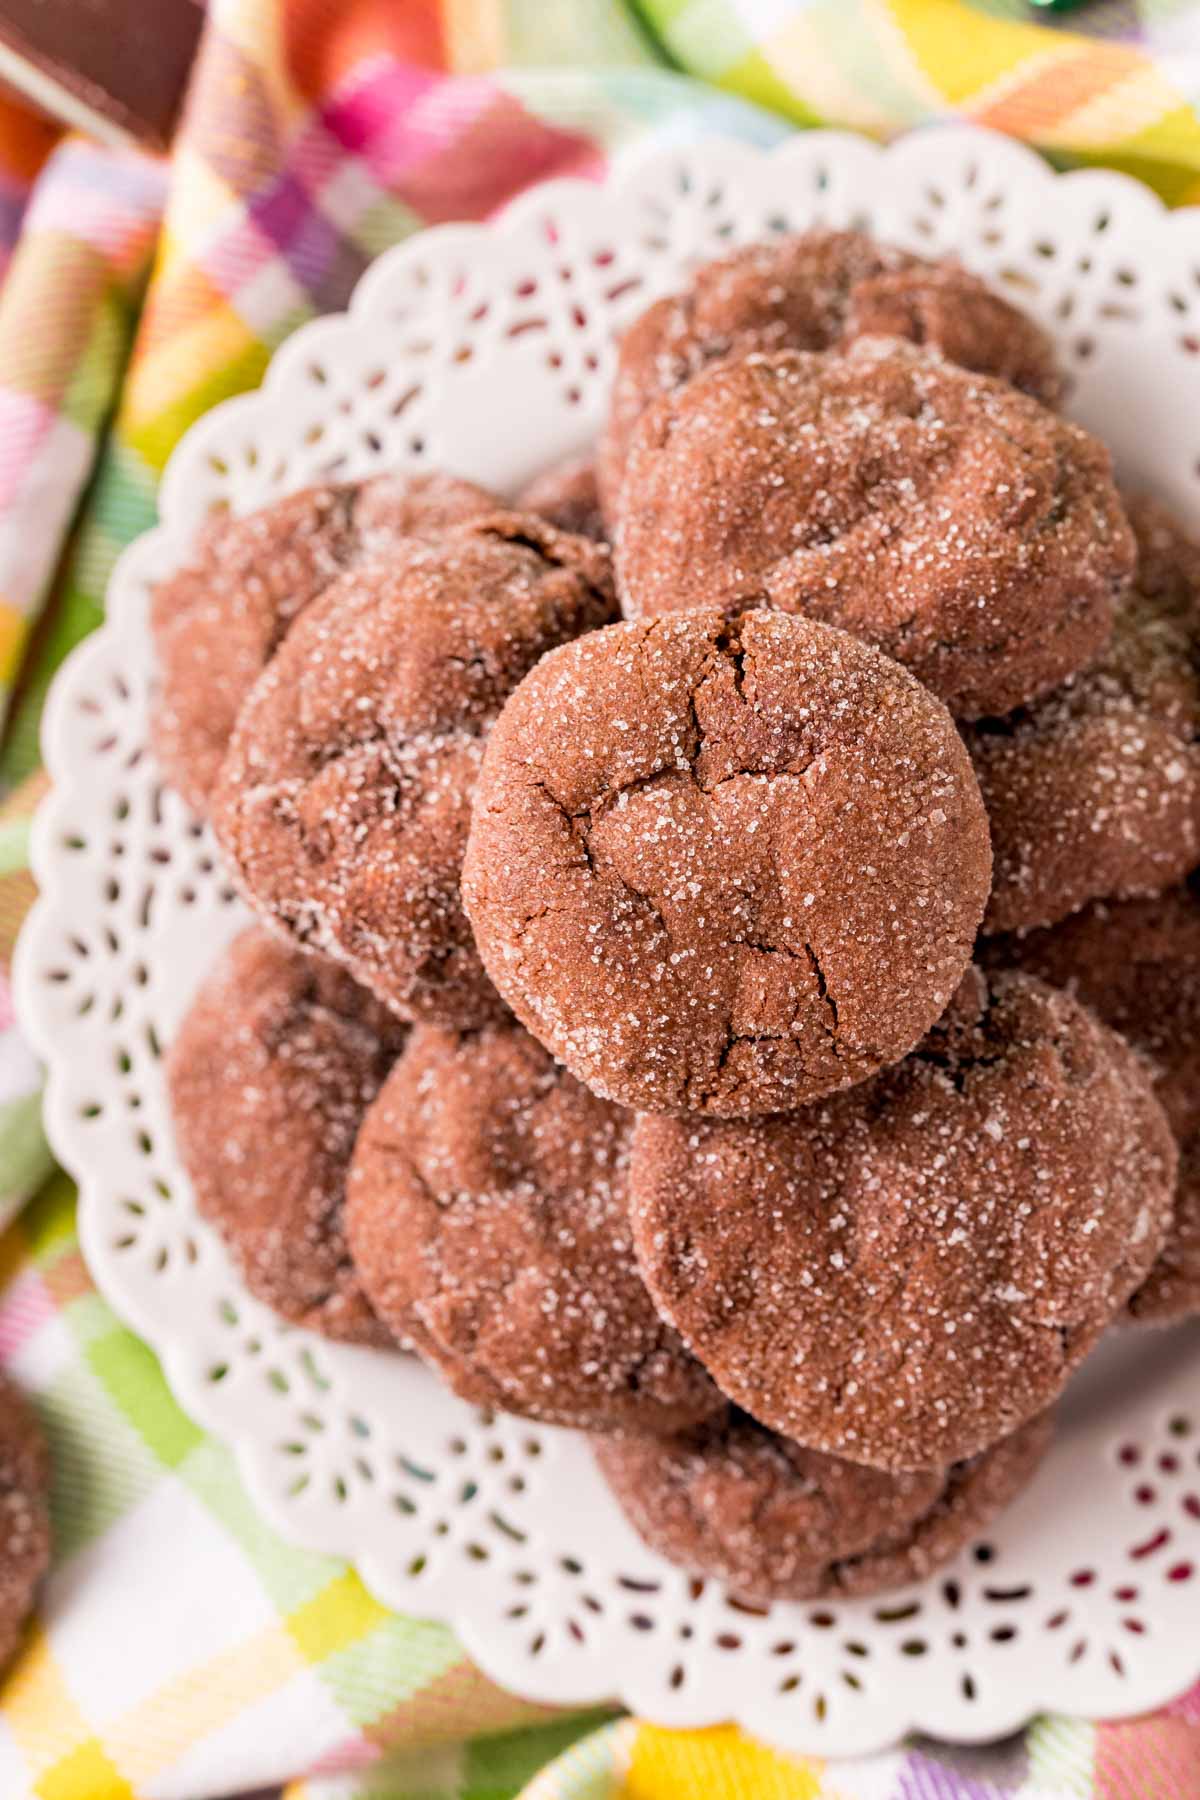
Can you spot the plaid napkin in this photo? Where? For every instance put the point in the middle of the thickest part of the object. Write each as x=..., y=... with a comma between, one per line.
x=182, y=1651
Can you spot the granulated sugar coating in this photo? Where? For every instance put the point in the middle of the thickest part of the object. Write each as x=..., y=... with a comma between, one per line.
x=269, y=1078
x=219, y=620
x=773, y=1521
x=952, y=521
x=722, y=866
x=813, y=291
x=488, y=1213
x=907, y=1272
x=24, y=1515
x=1095, y=790
x=343, y=802
x=567, y=496
x=1137, y=964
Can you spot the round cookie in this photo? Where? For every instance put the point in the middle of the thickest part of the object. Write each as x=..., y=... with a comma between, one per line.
x=488, y=1215
x=952, y=521
x=773, y=1521
x=1137, y=964
x=567, y=496
x=24, y=1515
x=908, y=1272
x=273, y=1068
x=218, y=621
x=725, y=866
x=343, y=802
x=1094, y=791
x=811, y=291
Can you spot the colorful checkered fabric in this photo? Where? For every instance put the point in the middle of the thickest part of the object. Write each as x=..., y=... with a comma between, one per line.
x=182, y=1651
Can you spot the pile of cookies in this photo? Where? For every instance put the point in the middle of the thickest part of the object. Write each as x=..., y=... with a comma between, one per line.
x=734, y=992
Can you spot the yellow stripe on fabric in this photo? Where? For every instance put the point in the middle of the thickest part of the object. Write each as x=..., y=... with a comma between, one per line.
x=153, y=1735
x=339, y=1615
x=474, y=35
x=170, y=370
x=963, y=52
x=14, y=627
x=721, y=1764
x=87, y=1774
x=45, y=1722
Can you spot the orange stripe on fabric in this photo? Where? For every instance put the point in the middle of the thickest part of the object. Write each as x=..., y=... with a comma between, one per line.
x=1041, y=101
x=476, y=39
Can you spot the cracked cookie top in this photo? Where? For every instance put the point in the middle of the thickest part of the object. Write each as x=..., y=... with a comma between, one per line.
x=725, y=866
x=488, y=1214
x=1094, y=792
x=218, y=621
x=1137, y=964
x=269, y=1077
x=811, y=291
x=773, y=1521
x=906, y=1272
x=343, y=802
x=950, y=520
x=566, y=495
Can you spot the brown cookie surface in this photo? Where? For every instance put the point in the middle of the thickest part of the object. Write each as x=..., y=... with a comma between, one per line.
x=1094, y=791
x=218, y=621
x=907, y=1272
x=950, y=520
x=773, y=1521
x=273, y=1068
x=567, y=495
x=1137, y=964
x=24, y=1515
x=811, y=291
x=488, y=1214
x=725, y=866
x=343, y=802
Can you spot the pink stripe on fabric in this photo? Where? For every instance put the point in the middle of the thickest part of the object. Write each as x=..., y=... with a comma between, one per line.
x=107, y=200
x=1187, y=1707
x=365, y=114
x=27, y=1306
x=24, y=423
x=412, y=128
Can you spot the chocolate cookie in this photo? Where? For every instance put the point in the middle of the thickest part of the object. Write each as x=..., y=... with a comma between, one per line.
x=218, y=621
x=723, y=866
x=270, y=1075
x=907, y=1272
x=1095, y=790
x=811, y=291
x=1137, y=964
x=952, y=521
x=488, y=1214
x=772, y=1521
x=567, y=495
x=24, y=1515
x=343, y=802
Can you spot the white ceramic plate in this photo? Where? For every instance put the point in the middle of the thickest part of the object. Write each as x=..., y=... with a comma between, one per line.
x=487, y=351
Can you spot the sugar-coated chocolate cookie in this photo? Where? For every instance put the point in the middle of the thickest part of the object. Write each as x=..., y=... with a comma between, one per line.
x=488, y=1215
x=24, y=1515
x=731, y=1500
x=907, y=1272
x=343, y=802
x=1094, y=791
x=811, y=291
x=951, y=520
x=725, y=866
x=567, y=495
x=218, y=621
x=276, y=1062
x=1137, y=964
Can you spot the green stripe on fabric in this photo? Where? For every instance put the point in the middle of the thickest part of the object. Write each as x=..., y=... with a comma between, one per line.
x=497, y=1768
x=101, y=1466
x=756, y=77
x=156, y=438
x=398, y=1658
x=14, y=846
x=48, y=1223
x=1062, y=1756
x=708, y=37
x=25, y=1158
x=134, y=1382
